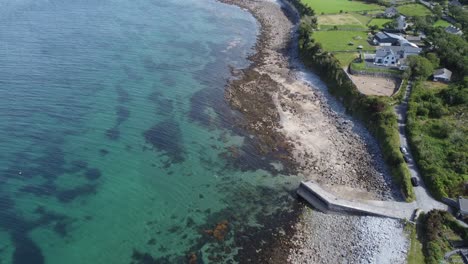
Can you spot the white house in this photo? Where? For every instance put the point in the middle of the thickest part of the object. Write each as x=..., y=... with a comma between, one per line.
x=385, y=57
x=442, y=75
x=394, y=55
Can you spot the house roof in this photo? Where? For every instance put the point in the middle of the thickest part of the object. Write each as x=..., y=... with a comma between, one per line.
x=385, y=36
x=414, y=38
x=463, y=203
x=384, y=52
x=381, y=35
x=401, y=21
x=445, y=73
x=395, y=36
x=403, y=51
x=391, y=10
x=453, y=30
x=406, y=43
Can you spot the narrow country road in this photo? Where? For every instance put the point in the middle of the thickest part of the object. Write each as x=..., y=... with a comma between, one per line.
x=424, y=200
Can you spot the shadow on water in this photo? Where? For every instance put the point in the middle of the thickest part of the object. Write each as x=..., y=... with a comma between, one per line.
x=50, y=166
x=26, y=250
x=166, y=136
x=163, y=105
x=122, y=95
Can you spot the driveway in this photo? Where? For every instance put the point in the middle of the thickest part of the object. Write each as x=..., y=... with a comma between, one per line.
x=424, y=200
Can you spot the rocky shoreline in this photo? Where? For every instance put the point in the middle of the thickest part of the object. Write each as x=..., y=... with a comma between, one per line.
x=298, y=123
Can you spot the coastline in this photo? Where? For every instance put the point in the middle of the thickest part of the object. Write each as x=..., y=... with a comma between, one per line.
x=299, y=124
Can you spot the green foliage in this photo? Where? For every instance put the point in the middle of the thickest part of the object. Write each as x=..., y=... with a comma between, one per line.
x=432, y=57
x=420, y=67
x=436, y=224
x=451, y=49
x=398, y=96
x=438, y=136
x=437, y=11
x=459, y=14
x=457, y=95
x=304, y=10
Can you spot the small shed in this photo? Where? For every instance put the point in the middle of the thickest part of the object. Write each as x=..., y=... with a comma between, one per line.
x=463, y=205
x=442, y=75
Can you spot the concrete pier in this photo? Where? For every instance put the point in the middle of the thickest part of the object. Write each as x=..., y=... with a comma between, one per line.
x=325, y=201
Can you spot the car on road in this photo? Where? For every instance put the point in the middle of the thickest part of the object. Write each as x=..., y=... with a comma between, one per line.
x=404, y=150
x=405, y=158
x=414, y=181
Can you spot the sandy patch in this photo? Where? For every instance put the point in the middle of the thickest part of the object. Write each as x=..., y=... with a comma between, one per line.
x=375, y=85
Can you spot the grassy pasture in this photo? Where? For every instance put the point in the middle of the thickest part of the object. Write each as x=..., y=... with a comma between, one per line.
x=441, y=23
x=339, y=40
x=343, y=21
x=335, y=6
x=414, y=10
x=379, y=22
x=345, y=58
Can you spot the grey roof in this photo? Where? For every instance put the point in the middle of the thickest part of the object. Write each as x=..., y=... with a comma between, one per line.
x=401, y=51
x=395, y=36
x=391, y=11
x=444, y=73
x=401, y=21
x=414, y=38
x=381, y=35
x=388, y=37
x=453, y=30
x=455, y=3
x=463, y=204
x=384, y=52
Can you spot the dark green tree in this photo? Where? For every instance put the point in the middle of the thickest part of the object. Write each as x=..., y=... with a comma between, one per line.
x=420, y=67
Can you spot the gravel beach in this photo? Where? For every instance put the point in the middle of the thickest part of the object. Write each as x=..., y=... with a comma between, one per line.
x=289, y=109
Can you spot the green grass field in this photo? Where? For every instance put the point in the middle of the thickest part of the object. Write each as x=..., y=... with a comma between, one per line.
x=345, y=58
x=441, y=23
x=414, y=10
x=362, y=67
x=379, y=22
x=343, y=21
x=338, y=40
x=334, y=6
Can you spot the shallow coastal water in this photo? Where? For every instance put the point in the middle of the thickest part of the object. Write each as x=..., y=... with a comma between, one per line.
x=116, y=143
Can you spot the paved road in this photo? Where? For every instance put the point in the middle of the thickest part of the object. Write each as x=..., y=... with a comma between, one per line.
x=424, y=200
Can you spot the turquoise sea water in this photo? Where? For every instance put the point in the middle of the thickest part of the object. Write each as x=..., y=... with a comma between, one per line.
x=116, y=145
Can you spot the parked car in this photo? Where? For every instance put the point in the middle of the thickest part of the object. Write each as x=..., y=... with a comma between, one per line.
x=404, y=150
x=405, y=158
x=414, y=181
